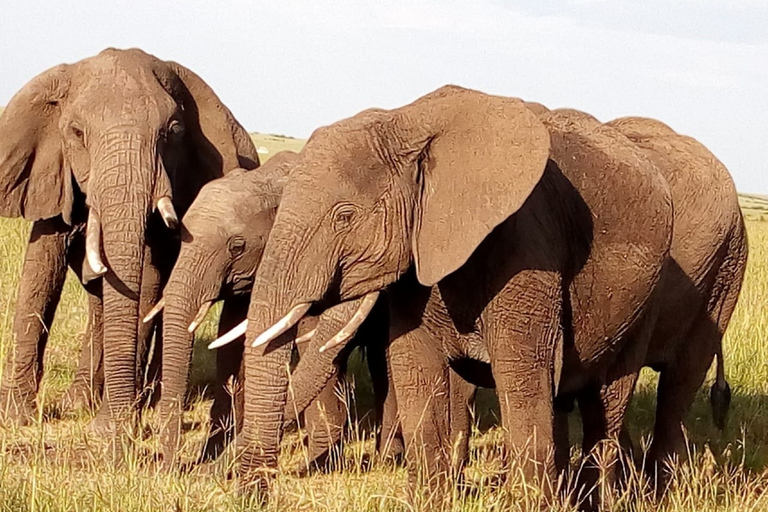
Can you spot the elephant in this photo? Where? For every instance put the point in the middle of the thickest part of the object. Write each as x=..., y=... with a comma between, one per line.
x=223, y=236
x=108, y=151
x=700, y=284
x=540, y=239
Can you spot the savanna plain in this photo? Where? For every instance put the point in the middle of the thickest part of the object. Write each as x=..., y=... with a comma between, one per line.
x=57, y=465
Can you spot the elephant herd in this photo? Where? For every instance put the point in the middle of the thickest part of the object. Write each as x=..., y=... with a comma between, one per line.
x=463, y=240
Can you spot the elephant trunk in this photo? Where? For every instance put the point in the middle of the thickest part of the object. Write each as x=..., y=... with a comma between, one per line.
x=123, y=212
x=312, y=374
x=266, y=383
x=279, y=290
x=182, y=298
x=317, y=364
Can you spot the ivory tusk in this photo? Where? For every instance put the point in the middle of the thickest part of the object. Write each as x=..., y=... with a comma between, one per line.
x=93, y=244
x=285, y=323
x=354, y=323
x=165, y=207
x=306, y=336
x=231, y=336
x=200, y=316
x=155, y=310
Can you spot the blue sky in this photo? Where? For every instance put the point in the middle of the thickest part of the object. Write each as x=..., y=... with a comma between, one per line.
x=287, y=67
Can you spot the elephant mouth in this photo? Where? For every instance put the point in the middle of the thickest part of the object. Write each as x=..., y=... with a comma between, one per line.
x=364, y=306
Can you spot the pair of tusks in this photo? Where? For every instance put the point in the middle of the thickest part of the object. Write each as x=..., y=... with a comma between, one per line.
x=199, y=317
x=293, y=317
x=285, y=323
x=93, y=233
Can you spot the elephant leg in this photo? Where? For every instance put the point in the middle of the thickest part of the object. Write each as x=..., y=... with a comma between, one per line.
x=678, y=384
x=462, y=395
x=88, y=385
x=602, y=410
x=42, y=279
x=523, y=331
x=421, y=378
x=227, y=408
x=389, y=438
x=562, y=442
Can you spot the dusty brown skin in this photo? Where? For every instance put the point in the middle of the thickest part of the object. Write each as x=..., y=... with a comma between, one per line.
x=482, y=232
x=701, y=281
x=223, y=237
x=118, y=132
x=311, y=376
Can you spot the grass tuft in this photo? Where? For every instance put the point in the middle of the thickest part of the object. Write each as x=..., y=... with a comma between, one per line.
x=57, y=465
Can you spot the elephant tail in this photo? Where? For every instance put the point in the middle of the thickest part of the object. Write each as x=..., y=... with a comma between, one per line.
x=720, y=393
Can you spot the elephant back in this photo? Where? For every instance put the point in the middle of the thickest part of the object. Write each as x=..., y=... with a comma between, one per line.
x=631, y=229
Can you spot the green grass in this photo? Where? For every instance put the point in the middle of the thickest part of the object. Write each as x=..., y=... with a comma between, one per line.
x=56, y=464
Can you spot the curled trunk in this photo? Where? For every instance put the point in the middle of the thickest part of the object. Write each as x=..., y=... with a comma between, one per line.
x=315, y=368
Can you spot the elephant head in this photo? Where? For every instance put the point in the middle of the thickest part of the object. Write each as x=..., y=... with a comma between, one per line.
x=134, y=134
x=223, y=236
x=374, y=195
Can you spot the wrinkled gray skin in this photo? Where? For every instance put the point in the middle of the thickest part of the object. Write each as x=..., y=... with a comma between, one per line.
x=699, y=286
x=223, y=237
x=310, y=378
x=116, y=132
x=481, y=231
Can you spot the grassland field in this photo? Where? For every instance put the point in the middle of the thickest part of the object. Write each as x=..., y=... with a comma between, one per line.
x=57, y=465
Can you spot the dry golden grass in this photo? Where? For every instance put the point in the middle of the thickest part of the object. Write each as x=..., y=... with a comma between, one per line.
x=55, y=464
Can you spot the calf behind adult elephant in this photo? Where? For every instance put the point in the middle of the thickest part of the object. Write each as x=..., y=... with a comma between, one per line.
x=484, y=231
x=223, y=236
x=123, y=133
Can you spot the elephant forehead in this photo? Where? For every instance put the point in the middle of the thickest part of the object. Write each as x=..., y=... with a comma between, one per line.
x=131, y=93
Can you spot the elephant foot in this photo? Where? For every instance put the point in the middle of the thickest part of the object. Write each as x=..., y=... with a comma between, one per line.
x=16, y=408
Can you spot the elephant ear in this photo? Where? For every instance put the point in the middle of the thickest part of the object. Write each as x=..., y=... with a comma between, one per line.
x=34, y=182
x=219, y=142
x=481, y=159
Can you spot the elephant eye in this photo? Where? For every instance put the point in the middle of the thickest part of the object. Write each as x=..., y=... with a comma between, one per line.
x=77, y=132
x=343, y=217
x=236, y=246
